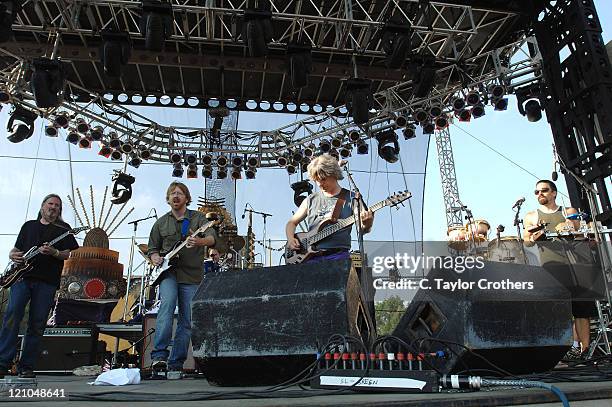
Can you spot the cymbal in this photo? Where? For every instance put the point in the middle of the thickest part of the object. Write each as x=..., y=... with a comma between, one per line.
x=238, y=242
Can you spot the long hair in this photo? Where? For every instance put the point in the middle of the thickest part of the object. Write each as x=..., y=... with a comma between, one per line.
x=59, y=221
x=324, y=166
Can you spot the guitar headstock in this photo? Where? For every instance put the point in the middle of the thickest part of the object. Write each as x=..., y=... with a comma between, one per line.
x=398, y=198
x=78, y=230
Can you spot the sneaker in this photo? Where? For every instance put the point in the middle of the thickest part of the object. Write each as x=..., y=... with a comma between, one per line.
x=27, y=374
x=574, y=354
x=159, y=365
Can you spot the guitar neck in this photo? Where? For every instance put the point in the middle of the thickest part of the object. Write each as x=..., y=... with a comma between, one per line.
x=51, y=243
x=194, y=234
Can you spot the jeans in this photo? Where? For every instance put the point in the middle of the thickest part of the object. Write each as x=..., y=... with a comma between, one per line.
x=41, y=296
x=170, y=292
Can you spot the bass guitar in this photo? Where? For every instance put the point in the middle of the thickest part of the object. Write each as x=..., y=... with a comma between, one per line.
x=159, y=272
x=308, y=240
x=14, y=271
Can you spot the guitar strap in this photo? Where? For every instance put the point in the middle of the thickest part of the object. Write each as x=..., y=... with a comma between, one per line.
x=339, y=204
x=185, y=227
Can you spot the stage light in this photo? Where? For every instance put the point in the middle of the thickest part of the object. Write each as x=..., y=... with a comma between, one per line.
x=478, y=111
x=354, y=136
x=533, y=110
x=97, y=133
x=428, y=128
x=115, y=143
x=192, y=171
x=305, y=161
x=497, y=91
x=85, y=142
x=257, y=31
x=207, y=159
x=291, y=169
x=358, y=99
x=362, y=147
x=401, y=121
x=409, y=132
x=325, y=146
x=388, y=146
x=441, y=122
x=500, y=104
x=301, y=190
x=82, y=126
x=25, y=126
x=345, y=151
x=334, y=153
x=472, y=98
x=8, y=12
x=395, y=42
x=156, y=24
x=116, y=155
x=297, y=156
x=282, y=160
x=135, y=161
x=145, y=153
x=191, y=159
x=458, y=104
x=250, y=173
x=207, y=171
x=175, y=158
x=115, y=51
x=222, y=161
x=309, y=150
x=435, y=110
x=177, y=170
x=61, y=120
x=336, y=142
x=420, y=115
x=50, y=131
x=5, y=97
x=105, y=151
x=221, y=173
x=236, y=173
x=73, y=137
x=253, y=161
x=464, y=115
x=127, y=148
x=122, y=189
x=47, y=82
x=300, y=64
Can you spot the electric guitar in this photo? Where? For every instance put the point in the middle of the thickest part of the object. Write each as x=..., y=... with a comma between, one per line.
x=159, y=272
x=308, y=240
x=14, y=271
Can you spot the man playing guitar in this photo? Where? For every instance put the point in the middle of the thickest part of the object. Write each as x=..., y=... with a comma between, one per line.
x=37, y=286
x=332, y=201
x=550, y=217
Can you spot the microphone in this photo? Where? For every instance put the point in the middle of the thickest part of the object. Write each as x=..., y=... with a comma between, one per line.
x=555, y=176
x=519, y=202
x=245, y=208
x=342, y=163
x=155, y=213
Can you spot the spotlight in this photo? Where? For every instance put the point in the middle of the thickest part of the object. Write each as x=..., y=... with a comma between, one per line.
x=115, y=51
x=401, y=121
x=305, y=161
x=334, y=153
x=354, y=136
x=297, y=156
x=409, y=132
x=97, y=133
x=222, y=161
x=282, y=161
x=458, y=104
x=396, y=42
x=257, y=31
x=336, y=142
x=51, y=131
x=309, y=150
x=145, y=153
x=115, y=142
x=237, y=161
x=472, y=98
x=478, y=111
x=250, y=173
x=105, y=151
x=497, y=91
x=122, y=189
x=135, y=161
x=85, y=142
x=221, y=173
x=358, y=99
x=464, y=115
x=8, y=12
x=362, y=147
x=192, y=171
x=301, y=190
x=61, y=120
x=5, y=97
x=435, y=110
x=345, y=151
x=420, y=115
x=300, y=64
x=73, y=137
x=441, y=122
x=291, y=169
x=253, y=161
x=82, y=126
x=428, y=128
x=175, y=158
x=533, y=110
x=500, y=104
x=177, y=170
x=324, y=146
x=207, y=159
x=236, y=173
x=23, y=130
x=207, y=171
x=191, y=159
x=116, y=155
x=127, y=148
x=388, y=146
x=156, y=24
x=47, y=82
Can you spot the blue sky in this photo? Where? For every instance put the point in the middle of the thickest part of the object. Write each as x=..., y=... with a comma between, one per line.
x=488, y=183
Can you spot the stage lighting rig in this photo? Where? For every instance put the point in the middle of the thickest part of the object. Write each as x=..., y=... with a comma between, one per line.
x=51, y=131
x=250, y=173
x=85, y=142
x=207, y=171
x=420, y=115
x=300, y=64
x=221, y=173
x=97, y=133
x=177, y=170
x=145, y=153
x=8, y=12
x=116, y=155
x=191, y=159
x=82, y=126
x=500, y=104
x=441, y=122
x=362, y=147
x=388, y=146
x=5, y=97
x=257, y=30
x=358, y=99
x=478, y=111
x=192, y=171
x=122, y=189
x=435, y=110
x=325, y=146
x=236, y=173
x=425, y=75
x=115, y=51
x=105, y=151
x=395, y=42
x=409, y=132
x=47, y=82
x=207, y=159
x=135, y=161
x=24, y=128
x=61, y=120
x=253, y=161
x=428, y=128
x=156, y=24
x=528, y=102
x=301, y=190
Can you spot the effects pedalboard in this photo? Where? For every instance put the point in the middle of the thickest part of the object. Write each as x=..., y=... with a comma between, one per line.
x=398, y=372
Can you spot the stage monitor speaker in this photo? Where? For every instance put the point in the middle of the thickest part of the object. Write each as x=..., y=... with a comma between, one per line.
x=148, y=326
x=63, y=349
x=263, y=326
x=520, y=329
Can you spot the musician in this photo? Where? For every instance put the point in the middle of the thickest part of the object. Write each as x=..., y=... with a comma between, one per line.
x=37, y=286
x=555, y=218
x=182, y=280
x=319, y=206
x=211, y=265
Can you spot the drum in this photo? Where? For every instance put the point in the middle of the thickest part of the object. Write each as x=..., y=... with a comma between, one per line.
x=478, y=230
x=457, y=238
x=506, y=250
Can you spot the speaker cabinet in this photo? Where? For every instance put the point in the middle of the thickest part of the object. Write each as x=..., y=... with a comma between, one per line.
x=149, y=322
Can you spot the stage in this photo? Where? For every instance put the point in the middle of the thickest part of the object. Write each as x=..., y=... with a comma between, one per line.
x=194, y=390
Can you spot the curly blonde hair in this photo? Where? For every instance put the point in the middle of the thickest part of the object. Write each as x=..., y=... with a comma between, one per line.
x=324, y=166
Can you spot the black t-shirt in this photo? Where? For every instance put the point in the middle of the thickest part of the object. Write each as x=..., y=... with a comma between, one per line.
x=45, y=267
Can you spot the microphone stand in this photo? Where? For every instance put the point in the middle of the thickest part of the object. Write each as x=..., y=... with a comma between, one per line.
x=517, y=223
x=265, y=216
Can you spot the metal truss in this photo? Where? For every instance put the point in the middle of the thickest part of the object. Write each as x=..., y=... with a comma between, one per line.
x=450, y=190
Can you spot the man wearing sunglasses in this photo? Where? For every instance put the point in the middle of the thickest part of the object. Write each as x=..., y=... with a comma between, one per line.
x=548, y=218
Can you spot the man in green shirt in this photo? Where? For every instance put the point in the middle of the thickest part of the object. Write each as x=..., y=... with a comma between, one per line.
x=182, y=280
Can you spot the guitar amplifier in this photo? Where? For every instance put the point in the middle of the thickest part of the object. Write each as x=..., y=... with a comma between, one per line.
x=63, y=349
x=150, y=320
